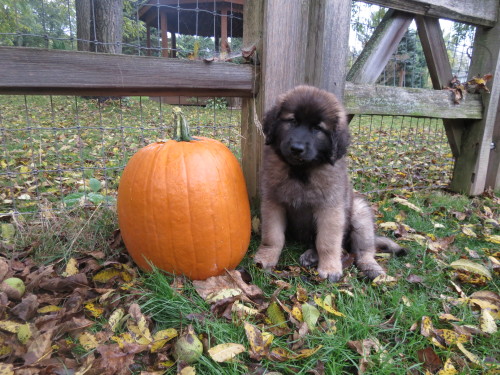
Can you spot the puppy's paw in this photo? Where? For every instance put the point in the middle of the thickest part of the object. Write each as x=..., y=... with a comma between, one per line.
x=331, y=276
x=332, y=270
x=267, y=257
x=309, y=258
x=373, y=273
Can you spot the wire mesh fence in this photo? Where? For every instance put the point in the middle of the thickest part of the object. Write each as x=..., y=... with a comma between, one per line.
x=59, y=152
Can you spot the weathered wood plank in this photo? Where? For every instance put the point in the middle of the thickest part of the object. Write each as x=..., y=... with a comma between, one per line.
x=440, y=71
x=477, y=12
x=398, y=101
x=379, y=49
x=251, y=138
x=328, y=45
x=40, y=71
x=478, y=165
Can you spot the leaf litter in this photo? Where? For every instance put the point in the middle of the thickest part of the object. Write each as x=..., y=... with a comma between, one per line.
x=90, y=304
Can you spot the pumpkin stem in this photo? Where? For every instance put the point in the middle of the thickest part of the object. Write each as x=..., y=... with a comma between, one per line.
x=182, y=133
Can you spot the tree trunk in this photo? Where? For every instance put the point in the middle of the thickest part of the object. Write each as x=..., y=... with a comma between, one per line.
x=83, y=11
x=108, y=20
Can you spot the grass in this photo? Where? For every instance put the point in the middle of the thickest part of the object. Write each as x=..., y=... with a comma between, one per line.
x=53, y=147
x=366, y=307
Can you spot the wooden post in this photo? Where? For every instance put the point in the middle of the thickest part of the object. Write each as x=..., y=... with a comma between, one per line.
x=328, y=45
x=251, y=137
x=164, y=33
x=440, y=71
x=477, y=165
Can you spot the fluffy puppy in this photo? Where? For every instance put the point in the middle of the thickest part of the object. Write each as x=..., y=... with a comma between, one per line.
x=306, y=192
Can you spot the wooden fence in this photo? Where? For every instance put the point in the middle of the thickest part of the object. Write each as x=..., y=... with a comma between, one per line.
x=301, y=41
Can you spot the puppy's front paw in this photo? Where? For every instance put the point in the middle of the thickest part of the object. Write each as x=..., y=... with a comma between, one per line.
x=267, y=257
x=309, y=258
x=331, y=272
x=373, y=273
x=331, y=276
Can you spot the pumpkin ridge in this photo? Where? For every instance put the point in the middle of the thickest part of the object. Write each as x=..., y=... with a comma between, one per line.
x=149, y=188
x=185, y=170
x=223, y=176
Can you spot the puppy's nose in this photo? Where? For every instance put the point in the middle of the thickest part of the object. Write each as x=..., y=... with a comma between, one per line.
x=297, y=148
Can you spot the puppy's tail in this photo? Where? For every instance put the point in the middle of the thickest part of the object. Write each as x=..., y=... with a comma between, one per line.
x=386, y=245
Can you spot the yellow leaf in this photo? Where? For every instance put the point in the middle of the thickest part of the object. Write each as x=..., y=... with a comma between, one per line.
x=472, y=357
x=448, y=369
x=24, y=333
x=326, y=305
x=48, y=309
x=494, y=238
x=389, y=225
x=243, y=311
x=124, y=338
x=225, y=352
x=137, y=334
x=9, y=326
x=115, y=319
x=470, y=266
x=301, y=294
x=276, y=315
x=426, y=328
x=160, y=338
x=258, y=345
x=95, y=311
x=384, y=280
x=406, y=203
x=297, y=313
x=449, y=317
x=5, y=350
x=88, y=341
x=105, y=275
x=71, y=267
x=487, y=322
x=282, y=354
x=6, y=369
x=222, y=294
x=188, y=370
x=467, y=230
x=451, y=337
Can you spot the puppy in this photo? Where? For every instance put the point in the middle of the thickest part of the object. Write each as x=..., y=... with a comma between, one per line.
x=306, y=193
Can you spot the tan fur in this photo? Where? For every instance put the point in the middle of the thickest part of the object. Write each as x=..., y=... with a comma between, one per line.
x=320, y=200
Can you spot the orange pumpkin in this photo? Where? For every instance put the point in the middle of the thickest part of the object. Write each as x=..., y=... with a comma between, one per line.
x=183, y=206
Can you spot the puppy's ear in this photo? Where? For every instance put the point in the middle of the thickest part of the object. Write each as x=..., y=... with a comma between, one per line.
x=269, y=124
x=341, y=137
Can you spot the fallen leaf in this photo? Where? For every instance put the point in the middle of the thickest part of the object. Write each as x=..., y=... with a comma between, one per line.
x=448, y=368
x=385, y=280
x=430, y=359
x=406, y=203
x=258, y=347
x=88, y=341
x=310, y=314
x=225, y=352
x=467, y=230
x=487, y=322
x=470, y=266
x=326, y=304
x=71, y=267
x=160, y=338
x=470, y=356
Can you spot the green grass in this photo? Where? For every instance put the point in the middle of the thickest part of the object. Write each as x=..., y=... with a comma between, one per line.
x=367, y=307
x=52, y=147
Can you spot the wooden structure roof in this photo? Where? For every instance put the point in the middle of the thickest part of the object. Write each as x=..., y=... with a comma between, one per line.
x=195, y=17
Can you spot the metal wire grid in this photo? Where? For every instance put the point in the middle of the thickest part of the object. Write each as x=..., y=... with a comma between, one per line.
x=39, y=35
x=52, y=146
x=53, y=152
